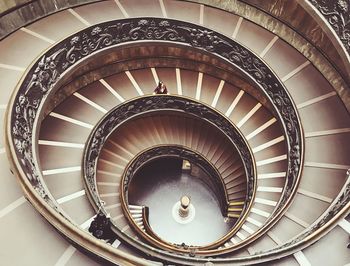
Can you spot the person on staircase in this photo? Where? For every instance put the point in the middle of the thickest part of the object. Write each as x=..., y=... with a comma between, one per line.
x=160, y=89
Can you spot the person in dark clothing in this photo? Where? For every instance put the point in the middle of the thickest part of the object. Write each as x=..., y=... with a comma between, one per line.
x=161, y=89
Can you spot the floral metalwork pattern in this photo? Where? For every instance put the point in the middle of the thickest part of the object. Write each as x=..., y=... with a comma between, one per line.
x=46, y=73
x=48, y=70
x=337, y=13
x=161, y=103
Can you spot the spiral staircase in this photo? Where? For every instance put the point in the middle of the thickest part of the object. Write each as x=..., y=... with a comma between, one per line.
x=258, y=103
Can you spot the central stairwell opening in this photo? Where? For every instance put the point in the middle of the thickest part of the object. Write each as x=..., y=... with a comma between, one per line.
x=161, y=184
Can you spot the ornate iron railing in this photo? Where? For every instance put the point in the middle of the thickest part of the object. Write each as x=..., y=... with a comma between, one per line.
x=161, y=104
x=337, y=14
x=213, y=179
x=154, y=103
x=45, y=75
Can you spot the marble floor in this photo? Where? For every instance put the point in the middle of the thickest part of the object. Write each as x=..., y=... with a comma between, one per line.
x=159, y=185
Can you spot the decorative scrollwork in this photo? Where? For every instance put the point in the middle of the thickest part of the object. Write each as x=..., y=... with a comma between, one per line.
x=48, y=70
x=337, y=13
x=160, y=103
x=46, y=73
